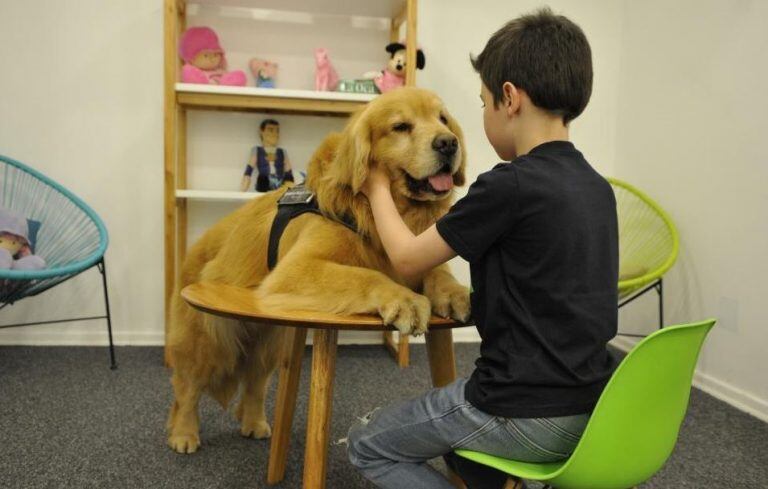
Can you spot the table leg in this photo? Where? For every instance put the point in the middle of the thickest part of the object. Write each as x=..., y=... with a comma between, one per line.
x=290, y=371
x=320, y=404
x=442, y=364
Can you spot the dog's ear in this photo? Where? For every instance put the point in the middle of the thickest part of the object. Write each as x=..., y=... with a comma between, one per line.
x=459, y=178
x=352, y=161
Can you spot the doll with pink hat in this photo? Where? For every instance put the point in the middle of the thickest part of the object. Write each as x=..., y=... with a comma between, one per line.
x=204, y=60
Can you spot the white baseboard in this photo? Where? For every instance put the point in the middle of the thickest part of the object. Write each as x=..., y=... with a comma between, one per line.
x=98, y=337
x=738, y=398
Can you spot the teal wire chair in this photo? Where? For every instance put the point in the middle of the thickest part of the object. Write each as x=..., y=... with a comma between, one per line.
x=648, y=245
x=71, y=238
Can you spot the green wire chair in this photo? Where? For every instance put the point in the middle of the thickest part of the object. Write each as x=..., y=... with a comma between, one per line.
x=648, y=245
x=72, y=238
x=634, y=426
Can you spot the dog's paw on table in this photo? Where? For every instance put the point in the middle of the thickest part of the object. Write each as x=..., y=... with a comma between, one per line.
x=452, y=303
x=406, y=310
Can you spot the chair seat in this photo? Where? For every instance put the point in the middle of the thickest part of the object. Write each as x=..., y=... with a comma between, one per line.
x=525, y=470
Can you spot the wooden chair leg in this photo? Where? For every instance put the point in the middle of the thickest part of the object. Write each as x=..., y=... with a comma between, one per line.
x=285, y=405
x=320, y=405
x=442, y=364
x=402, y=350
x=398, y=351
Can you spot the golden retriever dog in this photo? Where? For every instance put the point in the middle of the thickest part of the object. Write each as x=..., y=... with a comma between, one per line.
x=322, y=265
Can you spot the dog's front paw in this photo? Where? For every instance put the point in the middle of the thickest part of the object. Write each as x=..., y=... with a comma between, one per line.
x=255, y=429
x=406, y=310
x=184, y=443
x=449, y=299
x=455, y=304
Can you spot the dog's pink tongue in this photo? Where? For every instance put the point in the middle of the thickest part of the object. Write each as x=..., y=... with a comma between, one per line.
x=441, y=181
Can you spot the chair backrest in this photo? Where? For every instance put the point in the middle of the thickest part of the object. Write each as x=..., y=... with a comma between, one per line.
x=635, y=424
x=648, y=240
x=71, y=235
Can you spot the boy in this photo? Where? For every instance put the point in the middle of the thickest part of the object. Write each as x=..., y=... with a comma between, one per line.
x=541, y=237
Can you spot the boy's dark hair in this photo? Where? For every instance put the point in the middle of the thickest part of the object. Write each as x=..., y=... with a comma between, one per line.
x=546, y=55
x=268, y=122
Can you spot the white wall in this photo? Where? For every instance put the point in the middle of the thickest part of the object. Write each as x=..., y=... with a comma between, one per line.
x=691, y=128
x=81, y=101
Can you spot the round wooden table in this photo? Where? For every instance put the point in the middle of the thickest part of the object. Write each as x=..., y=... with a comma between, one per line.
x=239, y=303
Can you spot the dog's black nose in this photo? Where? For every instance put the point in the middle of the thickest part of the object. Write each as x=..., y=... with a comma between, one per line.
x=445, y=144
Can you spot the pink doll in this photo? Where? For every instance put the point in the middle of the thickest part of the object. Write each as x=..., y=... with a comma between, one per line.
x=326, y=78
x=15, y=249
x=204, y=60
x=264, y=72
x=394, y=75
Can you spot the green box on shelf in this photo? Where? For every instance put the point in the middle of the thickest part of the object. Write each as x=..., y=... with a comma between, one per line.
x=357, y=86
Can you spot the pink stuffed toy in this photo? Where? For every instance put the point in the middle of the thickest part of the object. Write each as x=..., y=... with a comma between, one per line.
x=394, y=76
x=204, y=60
x=326, y=78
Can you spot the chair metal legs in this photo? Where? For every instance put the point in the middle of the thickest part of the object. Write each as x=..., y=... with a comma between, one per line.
x=103, y=270
x=658, y=286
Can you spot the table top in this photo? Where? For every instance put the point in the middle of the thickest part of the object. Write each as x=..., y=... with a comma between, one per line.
x=240, y=303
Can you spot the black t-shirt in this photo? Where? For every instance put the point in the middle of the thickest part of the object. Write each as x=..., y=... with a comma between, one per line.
x=541, y=237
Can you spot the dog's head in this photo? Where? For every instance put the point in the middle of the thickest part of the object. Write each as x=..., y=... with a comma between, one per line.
x=409, y=133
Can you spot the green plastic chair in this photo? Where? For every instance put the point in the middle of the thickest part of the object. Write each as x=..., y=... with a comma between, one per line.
x=648, y=245
x=635, y=424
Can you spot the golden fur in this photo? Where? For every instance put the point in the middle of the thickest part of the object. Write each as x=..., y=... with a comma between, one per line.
x=322, y=265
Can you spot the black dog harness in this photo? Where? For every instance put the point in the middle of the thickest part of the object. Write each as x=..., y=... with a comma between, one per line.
x=295, y=202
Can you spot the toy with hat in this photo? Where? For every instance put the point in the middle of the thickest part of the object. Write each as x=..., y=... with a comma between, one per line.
x=204, y=59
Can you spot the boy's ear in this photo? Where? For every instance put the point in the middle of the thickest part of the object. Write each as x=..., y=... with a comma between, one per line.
x=351, y=164
x=511, y=98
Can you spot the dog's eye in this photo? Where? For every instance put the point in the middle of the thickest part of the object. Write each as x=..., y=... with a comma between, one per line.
x=443, y=119
x=402, y=127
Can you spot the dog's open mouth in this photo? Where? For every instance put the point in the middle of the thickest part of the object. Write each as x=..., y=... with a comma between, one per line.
x=440, y=183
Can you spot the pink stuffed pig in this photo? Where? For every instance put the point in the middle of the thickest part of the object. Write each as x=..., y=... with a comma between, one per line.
x=204, y=60
x=326, y=78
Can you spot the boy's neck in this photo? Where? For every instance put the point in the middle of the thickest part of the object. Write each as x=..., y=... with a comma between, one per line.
x=540, y=130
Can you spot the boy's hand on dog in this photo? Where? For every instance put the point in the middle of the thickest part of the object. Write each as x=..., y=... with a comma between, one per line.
x=377, y=180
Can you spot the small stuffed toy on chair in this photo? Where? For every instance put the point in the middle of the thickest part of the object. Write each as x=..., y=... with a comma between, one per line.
x=17, y=243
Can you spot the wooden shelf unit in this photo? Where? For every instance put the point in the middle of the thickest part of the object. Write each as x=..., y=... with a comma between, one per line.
x=181, y=97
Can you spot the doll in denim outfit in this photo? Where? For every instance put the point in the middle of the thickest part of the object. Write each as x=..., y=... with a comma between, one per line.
x=271, y=162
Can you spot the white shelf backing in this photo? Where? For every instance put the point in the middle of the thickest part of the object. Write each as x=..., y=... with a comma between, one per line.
x=216, y=195
x=274, y=92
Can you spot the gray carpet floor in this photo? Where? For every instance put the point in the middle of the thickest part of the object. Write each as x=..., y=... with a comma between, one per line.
x=66, y=420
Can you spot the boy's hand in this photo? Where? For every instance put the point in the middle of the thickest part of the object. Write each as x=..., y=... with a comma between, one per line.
x=377, y=179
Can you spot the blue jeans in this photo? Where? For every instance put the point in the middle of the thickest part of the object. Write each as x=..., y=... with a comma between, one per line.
x=390, y=446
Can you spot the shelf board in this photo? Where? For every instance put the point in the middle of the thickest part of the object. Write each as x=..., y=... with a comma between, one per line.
x=379, y=8
x=216, y=195
x=278, y=100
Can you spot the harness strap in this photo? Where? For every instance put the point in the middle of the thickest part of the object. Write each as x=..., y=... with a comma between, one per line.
x=295, y=202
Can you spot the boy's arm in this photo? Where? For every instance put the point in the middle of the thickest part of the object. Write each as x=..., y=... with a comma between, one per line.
x=410, y=255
